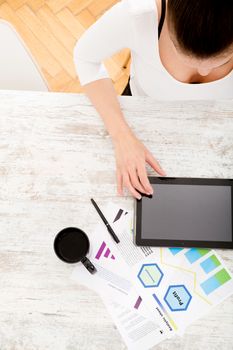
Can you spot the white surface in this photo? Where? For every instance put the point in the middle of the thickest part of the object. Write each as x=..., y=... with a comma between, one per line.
x=17, y=68
x=134, y=24
x=55, y=155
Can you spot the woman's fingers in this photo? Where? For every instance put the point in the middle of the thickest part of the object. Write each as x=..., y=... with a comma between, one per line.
x=136, y=182
x=144, y=179
x=131, y=157
x=132, y=182
x=154, y=164
x=127, y=183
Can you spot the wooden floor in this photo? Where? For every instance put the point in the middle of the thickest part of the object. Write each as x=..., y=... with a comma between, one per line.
x=50, y=29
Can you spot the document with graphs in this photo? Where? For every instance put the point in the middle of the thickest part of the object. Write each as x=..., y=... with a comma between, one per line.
x=112, y=281
x=179, y=284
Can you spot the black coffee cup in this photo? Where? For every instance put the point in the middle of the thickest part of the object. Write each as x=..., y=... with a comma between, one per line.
x=71, y=245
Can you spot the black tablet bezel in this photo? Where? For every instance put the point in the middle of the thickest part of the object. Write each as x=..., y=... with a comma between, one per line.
x=176, y=243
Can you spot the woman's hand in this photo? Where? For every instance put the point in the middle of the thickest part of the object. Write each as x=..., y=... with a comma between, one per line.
x=131, y=158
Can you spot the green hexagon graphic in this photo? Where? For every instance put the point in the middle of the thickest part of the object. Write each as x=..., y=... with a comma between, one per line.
x=150, y=275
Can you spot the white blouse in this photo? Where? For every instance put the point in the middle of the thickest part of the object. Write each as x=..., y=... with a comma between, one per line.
x=133, y=24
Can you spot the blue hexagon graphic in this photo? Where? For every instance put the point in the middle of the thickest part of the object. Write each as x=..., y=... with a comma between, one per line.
x=150, y=275
x=177, y=297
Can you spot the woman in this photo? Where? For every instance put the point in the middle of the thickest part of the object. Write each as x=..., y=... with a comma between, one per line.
x=180, y=49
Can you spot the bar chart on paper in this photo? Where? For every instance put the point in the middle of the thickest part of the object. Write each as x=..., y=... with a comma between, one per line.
x=192, y=255
x=210, y=263
x=209, y=271
x=215, y=281
x=104, y=252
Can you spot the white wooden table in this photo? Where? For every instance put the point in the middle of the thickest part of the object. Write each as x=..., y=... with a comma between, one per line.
x=54, y=155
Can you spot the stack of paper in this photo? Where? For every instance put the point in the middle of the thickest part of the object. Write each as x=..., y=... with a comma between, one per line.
x=151, y=293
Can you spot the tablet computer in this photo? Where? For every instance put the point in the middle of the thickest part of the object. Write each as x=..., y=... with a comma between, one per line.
x=185, y=212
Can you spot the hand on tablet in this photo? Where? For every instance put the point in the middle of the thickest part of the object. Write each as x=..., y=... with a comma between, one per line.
x=131, y=158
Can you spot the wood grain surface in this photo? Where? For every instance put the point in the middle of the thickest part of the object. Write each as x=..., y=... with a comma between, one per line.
x=54, y=155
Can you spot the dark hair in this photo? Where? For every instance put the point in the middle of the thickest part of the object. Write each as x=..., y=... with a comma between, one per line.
x=202, y=28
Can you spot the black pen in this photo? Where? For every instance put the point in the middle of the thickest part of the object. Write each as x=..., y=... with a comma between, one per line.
x=110, y=230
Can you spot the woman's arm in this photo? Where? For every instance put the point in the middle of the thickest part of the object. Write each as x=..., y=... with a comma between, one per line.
x=104, y=98
x=131, y=155
x=111, y=33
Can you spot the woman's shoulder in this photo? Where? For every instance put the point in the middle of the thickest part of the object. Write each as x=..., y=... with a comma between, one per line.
x=140, y=7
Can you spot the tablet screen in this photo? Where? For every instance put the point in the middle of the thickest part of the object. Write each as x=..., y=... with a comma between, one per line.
x=187, y=212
